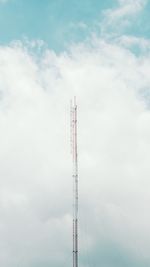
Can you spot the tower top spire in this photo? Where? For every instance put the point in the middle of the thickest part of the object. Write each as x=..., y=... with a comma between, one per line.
x=73, y=119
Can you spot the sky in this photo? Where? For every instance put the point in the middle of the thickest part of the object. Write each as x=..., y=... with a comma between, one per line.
x=49, y=52
x=56, y=22
x=60, y=22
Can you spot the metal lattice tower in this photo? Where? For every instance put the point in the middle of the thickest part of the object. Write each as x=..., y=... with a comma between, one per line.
x=73, y=111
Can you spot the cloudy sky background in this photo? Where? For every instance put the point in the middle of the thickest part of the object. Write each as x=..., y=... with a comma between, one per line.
x=49, y=52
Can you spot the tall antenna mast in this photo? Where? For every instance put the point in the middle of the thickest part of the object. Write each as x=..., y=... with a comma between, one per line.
x=73, y=118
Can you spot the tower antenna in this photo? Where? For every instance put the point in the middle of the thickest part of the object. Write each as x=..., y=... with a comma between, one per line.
x=73, y=128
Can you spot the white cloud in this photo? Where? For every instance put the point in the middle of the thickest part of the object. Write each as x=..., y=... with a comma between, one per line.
x=35, y=164
x=138, y=44
x=121, y=16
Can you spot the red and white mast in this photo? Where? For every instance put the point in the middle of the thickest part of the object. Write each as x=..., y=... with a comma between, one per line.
x=75, y=179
